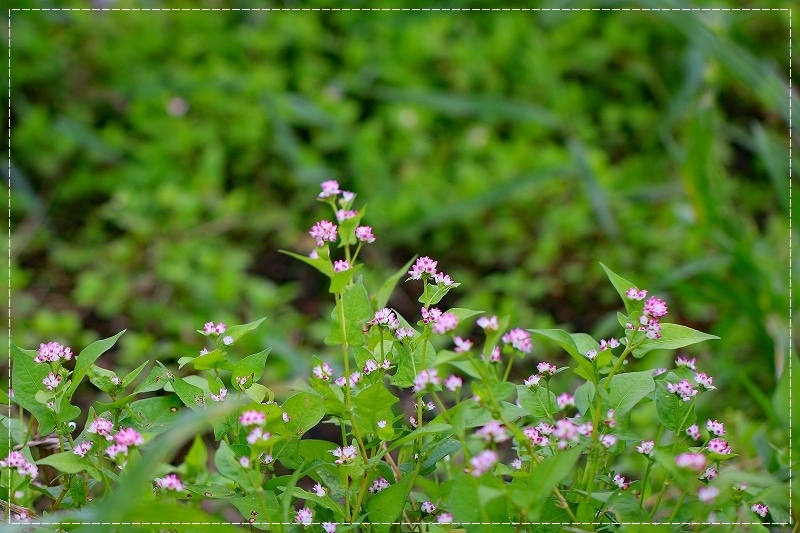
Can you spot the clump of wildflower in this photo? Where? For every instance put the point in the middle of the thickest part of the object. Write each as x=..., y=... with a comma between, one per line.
x=621, y=482
x=329, y=188
x=250, y=418
x=688, y=363
x=341, y=266
x=170, y=482
x=324, y=231
x=428, y=507
x=52, y=352
x=379, y=485
x=453, y=383
x=519, y=339
x=128, y=437
x=426, y=379
x=646, y=447
x=535, y=437
x=101, y=426
x=483, y=462
x=345, y=455
x=655, y=308
x=51, y=381
x=424, y=265
x=566, y=432
x=304, y=516
x=760, y=509
x=693, y=461
x=693, y=431
x=719, y=446
x=323, y=371
x=24, y=468
x=488, y=324
x=446, y=322
x=223, y=392
x=683, y=389
x=364, y=234
x=493, y=432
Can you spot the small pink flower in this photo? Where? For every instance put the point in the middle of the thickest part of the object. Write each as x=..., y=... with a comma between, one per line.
x=704, y=381
x=446, y=322
x=220, y=328
x=646, y=447
x=519, y=339
x=443, y=279
x=688, y=363
x=462, y=345
x=101, y=426
x=404, y=333
x=546, y=369
x=591, y=355
x=219, y=397
x=428, y=507
x=683, y=389
x=430, y=315
x=566, y=432
x=258, y=434
x=128, y=437
x=116, y=449
x=329, y=527
x=620, y=482
x=413, y=422
x=709, y=474
x=170, y=482
x=488, y=324
x=693, y=461
x=329, y=188
x=610, y=421
x=532, y=381
x=304, y=516
x=760, y=509
x=586, y=429
x=364, y=234
x=717, y=428
x=345, y=455
x=565, y=400
x=693, y=431
x=249, y=418
x=424, y=265
x=51, y=381
x=379, y=485
x=342, y=215
x=227, y=340
x=341, y=266
x=83, y=448
x=370, y=366
x=635, y=294
x=354, y=379
x=208, y=327
x=495, y=357
x=426, y=379
x=720, y=446
x=444, y=518
x=52, y=352
x=385, y=317
x=655, y=308
x=320, y=491
x=493, y=432
x=17, y=460
x=483, y=462
x=658, y=371
x=286, y=418
x=608, y=440
x=608, y=344
x=244, y=461
x=323, y=372
x=453, y=383
x=707, y=494
x=324, y=231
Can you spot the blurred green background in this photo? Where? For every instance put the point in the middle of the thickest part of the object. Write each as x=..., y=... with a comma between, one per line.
x=160, y=159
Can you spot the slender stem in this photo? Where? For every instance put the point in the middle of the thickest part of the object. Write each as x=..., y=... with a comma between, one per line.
x=508, y=368
x=649, y=465
x=63, y=493
x=677, y=507
x=361, y=492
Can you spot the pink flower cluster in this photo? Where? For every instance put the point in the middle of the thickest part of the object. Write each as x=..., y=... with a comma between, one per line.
x=52, y=352
x=446, y=322
x=385, y=317
x=683, y=389
x=426, y=379
x=424, y=265
x=123, y=441
x=431, y=315
x=519, y=339
x=364, y=234
x=251, y=418
x=324, y=231
x=210, y=329
x=323, y=372
x=345, y=455
x=634, y=294
x=379, y=485
x=536, y=437
x=170, y=482
x=462, y=345
x=483, y=462
x=487, y=324
x=24, y=468
x=493, y=432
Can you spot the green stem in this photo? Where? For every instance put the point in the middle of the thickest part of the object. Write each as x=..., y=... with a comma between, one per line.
x=649, y=465
x=347, y=390
x=508, y=368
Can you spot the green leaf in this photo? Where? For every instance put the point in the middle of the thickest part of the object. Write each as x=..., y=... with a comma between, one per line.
x=385, y=507
x=441, y=430
x=26, y=381
x=357, y=310
x=321, y=263
x=570, y=342
x=409, y=366
x=671, y=409
x=133, y=374
x=196, y=459
x=433, y=294
x=89, y=355
x=237, y=332
x=261, y=508
x=480, y=501
x=213, y=359
x=153, y=415
x=191, y=395
x=672, y=336
x=101, y=378
x=382, y=297
x=305, y=410
x=463, y=314
x=69, y=463
x=251, y=366
x=622, y=285
x=537, y=403
x=626, y=391
x=158, y=377
x=371, y=404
